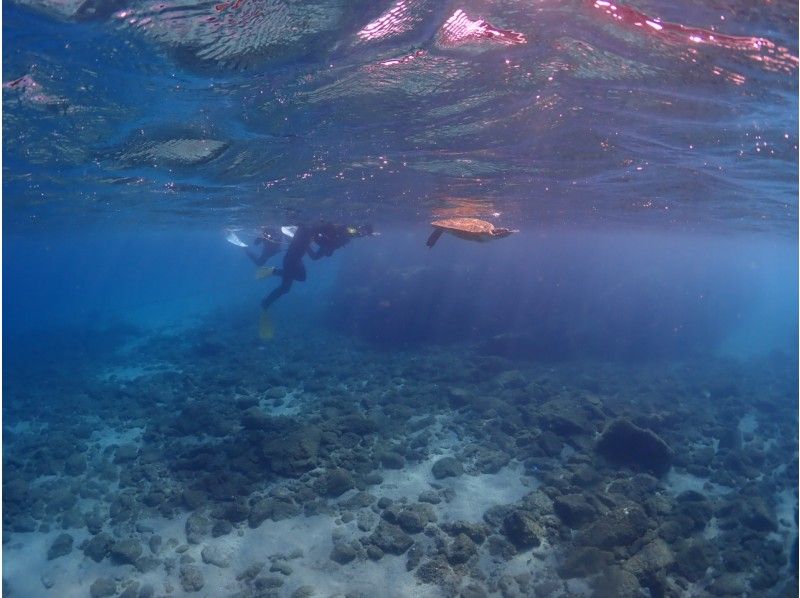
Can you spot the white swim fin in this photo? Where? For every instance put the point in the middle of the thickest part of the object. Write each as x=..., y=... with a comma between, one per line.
x=232, y=238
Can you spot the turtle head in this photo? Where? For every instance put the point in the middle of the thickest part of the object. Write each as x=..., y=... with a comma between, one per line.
x=503, y=232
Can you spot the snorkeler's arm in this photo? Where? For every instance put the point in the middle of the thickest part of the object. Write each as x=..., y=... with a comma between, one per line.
x=315, y=255
x=260, y=260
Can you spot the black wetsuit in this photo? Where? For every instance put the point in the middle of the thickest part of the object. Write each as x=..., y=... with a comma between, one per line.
x=270, y=245
x=327, y=237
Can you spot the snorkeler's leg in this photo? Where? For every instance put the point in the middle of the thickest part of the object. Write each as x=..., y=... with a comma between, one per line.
x=259, y=259
x=285, y=286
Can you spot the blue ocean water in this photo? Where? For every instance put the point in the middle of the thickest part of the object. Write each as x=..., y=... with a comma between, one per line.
x=602, y=403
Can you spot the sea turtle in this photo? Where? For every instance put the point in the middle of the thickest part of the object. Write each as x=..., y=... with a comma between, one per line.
x=470, y=229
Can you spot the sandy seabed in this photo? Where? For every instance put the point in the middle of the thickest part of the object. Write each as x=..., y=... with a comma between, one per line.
x=174, y=466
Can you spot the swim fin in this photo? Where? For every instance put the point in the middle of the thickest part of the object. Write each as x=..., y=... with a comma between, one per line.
x=265, y=331
x=262, y=273
x=232, y=238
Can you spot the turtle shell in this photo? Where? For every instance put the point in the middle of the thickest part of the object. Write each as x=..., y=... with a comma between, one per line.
x=468, y=226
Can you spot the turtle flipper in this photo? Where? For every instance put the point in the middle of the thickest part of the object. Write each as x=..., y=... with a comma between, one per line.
x=434, y=237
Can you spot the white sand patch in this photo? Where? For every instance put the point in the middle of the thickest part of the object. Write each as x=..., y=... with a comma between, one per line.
x=473, y=494
x=310, y=535
x=25, y=565
x=290, y=406
x=748, y=424
x=786, y=502
x=711, y=530
x=24, y=427
x=129, y=373
x=680, y=482
x=111, y=436
x=539, y=563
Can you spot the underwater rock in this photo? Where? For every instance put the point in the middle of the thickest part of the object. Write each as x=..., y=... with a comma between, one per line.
x=434, y=571
x=126, y=551
x=24, y=524
x=196, y=527
x=412, y=519
x=625, y=443
x=191, y=578
x=490, y=461
x=254, y=418
x=727, y=584
x=523, y=530
x=193, y=499
x=216, y=555
x=126, y=453
x=652, y=558
x=549, y=443
x=564, y=418
x=304, y=592
x=335, y=482
x=461, y=550
x=145, y=564
x=414, y=554
x=236, y=511
x=46, y=579
x=356, y=424
x=75, y=464
x=620, y=527
x=390, y=538
x=374, y=553
x=97, y=548
x=263, y=584
x=281, y=567
x=693, y=558
x=616, y=582
x=757, y=516
x=392, y=460
x=260, y=512
x=473, y=590
x=584, y=475
x=730, y=439
x=131, y=591
x=511, y=379
x=574, y=509
x=447, y=467
x=429, y=496
x=251, y=572
x=476, y=532
x=693, y=506
x=103, y=587
x=61, y=546
x=154, y=543
x=358, y=501
x=294, y=453
x=584, y=561
x=221, y=528
x=343, y=553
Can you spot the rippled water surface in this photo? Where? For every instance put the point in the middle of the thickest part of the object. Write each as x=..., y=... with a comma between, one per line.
x=544, y=111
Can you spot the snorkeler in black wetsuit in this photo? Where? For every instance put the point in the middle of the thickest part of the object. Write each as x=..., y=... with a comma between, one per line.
x=270, y=241
x=326, y=236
